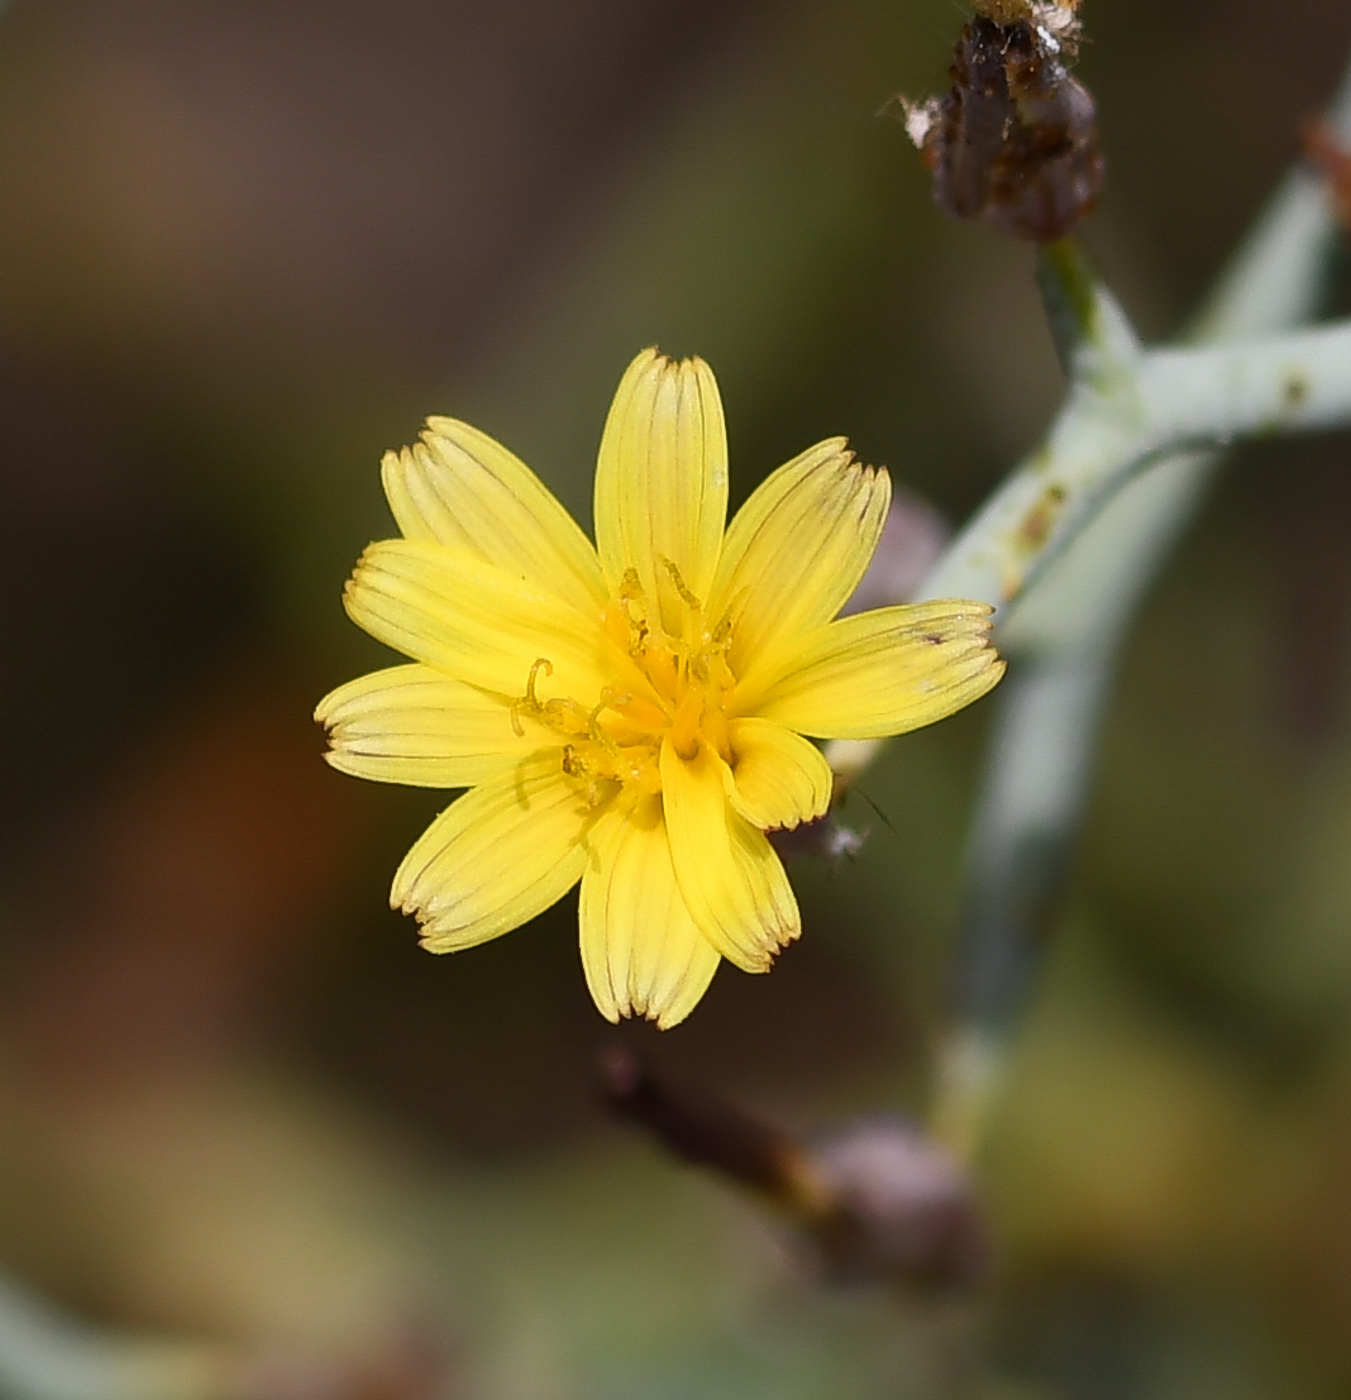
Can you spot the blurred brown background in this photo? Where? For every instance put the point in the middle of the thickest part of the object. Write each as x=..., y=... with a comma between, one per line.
x=244, y=247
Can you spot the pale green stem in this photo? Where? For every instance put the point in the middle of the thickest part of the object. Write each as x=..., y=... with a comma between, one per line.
x=1125, y=410
x=1121, y=412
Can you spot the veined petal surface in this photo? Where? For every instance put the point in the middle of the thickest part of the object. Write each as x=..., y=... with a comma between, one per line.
x=459, y=487
x=797, y=549
x=661, y=481
x=778, y=778
x=477, y=623
x=877, y=673
x=414, y=725
x=642, y=952
x=496, y=857
x=731, y=880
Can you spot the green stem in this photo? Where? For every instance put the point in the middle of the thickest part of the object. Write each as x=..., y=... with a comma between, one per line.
x=1066, y=633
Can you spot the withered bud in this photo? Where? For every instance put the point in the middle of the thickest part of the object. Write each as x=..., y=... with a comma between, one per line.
x=1015, y=143
x=877, y=1200
x=905, y=1208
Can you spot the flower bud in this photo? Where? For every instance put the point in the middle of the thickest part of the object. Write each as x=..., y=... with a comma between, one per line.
x=1014, y=144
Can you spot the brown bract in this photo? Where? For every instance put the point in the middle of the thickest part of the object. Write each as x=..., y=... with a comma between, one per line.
x=1014, y=144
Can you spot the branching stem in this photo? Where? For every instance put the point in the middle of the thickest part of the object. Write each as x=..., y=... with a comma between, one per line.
x=1075, y=536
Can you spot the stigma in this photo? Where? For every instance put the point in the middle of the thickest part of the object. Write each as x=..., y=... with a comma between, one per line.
x=665, y=686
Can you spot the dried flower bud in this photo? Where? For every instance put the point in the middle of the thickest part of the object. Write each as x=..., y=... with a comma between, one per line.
x=905, y=1209
x=877, y=1200
x=1015, y=142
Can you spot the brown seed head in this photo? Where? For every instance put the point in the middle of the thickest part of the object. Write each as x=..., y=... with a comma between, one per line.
x=1015, y=143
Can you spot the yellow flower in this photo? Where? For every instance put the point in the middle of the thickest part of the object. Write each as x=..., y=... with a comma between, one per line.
x=631, y=715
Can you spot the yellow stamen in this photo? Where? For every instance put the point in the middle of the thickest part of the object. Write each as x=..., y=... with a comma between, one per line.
x=542, y=664
x=529, y=703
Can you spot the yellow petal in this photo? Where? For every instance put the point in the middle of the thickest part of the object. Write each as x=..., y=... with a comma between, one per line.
x=414, y=725
x=473, y=621
x=798, y=547
x=459, y=487
x=661, y=481
x=498, y=856
x=732, y=882
x=878, y=673
x=778, y=778
x=642, y=952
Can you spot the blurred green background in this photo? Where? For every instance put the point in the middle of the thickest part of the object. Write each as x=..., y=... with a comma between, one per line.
x=246, y=246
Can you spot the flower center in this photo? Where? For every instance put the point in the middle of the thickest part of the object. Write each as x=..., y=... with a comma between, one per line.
x=663, y=686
